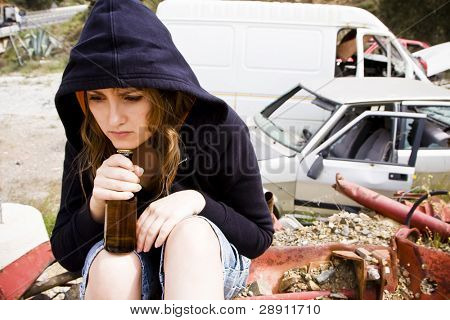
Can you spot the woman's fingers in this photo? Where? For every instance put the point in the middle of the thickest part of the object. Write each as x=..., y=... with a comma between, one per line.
x=106, y=194
x=138, y=170
x=164, y=232
x=118, y=160
x=118, y=173
x=142, y=220
x=117, y=185
x=150, y=233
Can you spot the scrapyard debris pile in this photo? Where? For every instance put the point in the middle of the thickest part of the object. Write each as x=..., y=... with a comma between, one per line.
x=337, y=276
x=343, y=227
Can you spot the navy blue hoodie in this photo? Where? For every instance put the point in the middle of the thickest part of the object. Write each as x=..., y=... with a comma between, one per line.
x=123, y=44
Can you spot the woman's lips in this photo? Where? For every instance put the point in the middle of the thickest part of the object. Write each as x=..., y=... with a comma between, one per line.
x=120, y=134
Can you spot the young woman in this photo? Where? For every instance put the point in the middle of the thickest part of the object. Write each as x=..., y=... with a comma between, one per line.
x=201, y=209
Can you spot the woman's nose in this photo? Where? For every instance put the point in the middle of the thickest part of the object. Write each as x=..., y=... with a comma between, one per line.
x=116, y=114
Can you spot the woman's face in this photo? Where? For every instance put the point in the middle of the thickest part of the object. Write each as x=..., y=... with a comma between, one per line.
x=122, y=115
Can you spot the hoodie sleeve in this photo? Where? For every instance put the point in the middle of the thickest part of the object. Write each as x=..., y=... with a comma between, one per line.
x=242, y=214
x=75, y=231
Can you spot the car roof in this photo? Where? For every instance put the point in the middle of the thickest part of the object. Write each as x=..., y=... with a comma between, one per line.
x=363, y=90
x=268, y=12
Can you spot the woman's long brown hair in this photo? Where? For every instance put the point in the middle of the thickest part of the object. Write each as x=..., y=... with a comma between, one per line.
x=168, y=109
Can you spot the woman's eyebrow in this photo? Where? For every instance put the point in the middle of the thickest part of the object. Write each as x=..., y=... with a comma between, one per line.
x=95, y=92
x=126, y=91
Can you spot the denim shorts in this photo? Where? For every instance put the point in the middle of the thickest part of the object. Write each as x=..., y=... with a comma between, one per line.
x=235, y=268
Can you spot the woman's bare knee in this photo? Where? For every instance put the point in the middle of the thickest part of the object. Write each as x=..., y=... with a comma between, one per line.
x=114, y=276
x=190, y=247
x=194, y=233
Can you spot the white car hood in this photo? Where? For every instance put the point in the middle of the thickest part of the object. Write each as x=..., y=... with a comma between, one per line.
x=437, y=58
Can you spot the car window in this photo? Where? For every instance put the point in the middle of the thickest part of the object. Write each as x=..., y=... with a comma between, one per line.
x=375, y=62
x=295, y=121
x=375, y=55
x=345, y=53
x=369, y=139
x=354, y=111
x=373, y=139
x=436, y=132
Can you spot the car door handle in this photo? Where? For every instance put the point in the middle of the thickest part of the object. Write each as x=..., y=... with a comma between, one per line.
x=398, y=176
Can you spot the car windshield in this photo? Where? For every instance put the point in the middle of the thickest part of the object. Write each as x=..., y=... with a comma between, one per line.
x=294, y=118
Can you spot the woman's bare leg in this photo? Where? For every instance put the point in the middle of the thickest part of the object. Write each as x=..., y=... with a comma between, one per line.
x=114, y=277
x=192, y=263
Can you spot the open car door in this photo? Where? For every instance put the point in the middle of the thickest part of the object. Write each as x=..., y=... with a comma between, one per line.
x=365, y=152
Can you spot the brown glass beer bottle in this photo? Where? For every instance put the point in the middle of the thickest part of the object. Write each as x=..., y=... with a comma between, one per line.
x=120, y=221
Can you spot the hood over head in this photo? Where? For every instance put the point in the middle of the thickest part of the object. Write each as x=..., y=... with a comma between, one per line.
x=123, y=44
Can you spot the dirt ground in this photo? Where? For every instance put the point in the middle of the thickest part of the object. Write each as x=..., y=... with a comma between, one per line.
x=32, y=142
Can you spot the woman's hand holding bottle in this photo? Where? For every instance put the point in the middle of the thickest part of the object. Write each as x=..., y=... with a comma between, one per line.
x=116, y=179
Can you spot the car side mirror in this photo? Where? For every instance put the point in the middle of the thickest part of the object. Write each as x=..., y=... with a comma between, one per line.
x=316, y=168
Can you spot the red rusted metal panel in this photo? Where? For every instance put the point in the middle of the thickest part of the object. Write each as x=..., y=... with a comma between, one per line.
x=268, y=269
x=19, y=275
x=423, y=263
x=390, y=208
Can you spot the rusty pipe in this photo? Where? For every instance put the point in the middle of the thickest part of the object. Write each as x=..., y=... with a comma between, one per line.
x=389, y=208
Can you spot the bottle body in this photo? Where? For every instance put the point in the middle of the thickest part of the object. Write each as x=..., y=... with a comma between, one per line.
x=120, y=222
x=120, y=225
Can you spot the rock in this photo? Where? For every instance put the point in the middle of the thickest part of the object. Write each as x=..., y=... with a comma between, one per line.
x=364, y=216
x=290, y=222
x=286, y=283
x=365, y=231
x=345, y=231
x=324, y=276
x=373, y=274
x=357, y=220
x=313, y=286
x=352, y=241
x=338, y=295
x=385, y=235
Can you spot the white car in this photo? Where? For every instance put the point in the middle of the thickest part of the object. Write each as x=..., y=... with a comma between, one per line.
x=381, y=133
